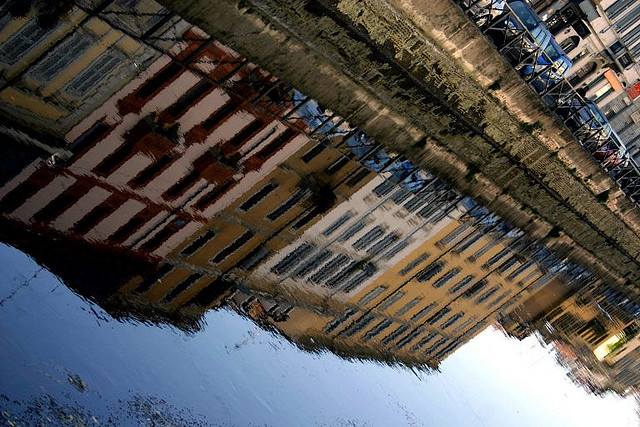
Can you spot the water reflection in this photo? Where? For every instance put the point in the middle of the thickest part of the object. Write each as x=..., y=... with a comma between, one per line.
x=594, y=330
x=162, y=174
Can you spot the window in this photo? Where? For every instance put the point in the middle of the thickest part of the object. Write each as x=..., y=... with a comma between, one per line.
x=461, y=284
x=413, y=264
x=424, y=311
x=383, y=189
x=255, y=198
x=20, y=43
x=396, y=249
x=151, y=171
x=182, y=286
x=187, y=100
x=95, y=133
x=416, y=202
x=254, y=258
x=337, y=224
x=383, y=244
x=366, y=240
x=237, y=244
x=358, y=325
x=91, y=219
x=390, y=300
x=499, y=299
x=429, y=210
x=364, y=272
x=601, y=93
x=359, y=176
x=59, y=204
x=497, y=257
x=453, y=235
x=99, y=69
x=377, y=329
x=482, y=251
x=161, y=236
x=408, y=306
x=439, y=315
x=445, y=279
x=410, y=337
x=150, y=281
x=435, y=345
x=635, y=53
x=286, y=206
x=62, y=56
x=468, y=241
x=395, y=334
x=530, y=276
x=329, y=268
x=292, y=259
x=372, y=295
x=133, y=225
x=213, y=195
x=618, y=7
x=448, y=349
x=453, y=319
x=429, y=271
x=220, y=114
x=331, y=326
x=626, y=21
x=400, y=195
x=182, y=185
x=520, y=269
x=240, y=138
x=487, y=295
x=463, y=325
x=307, y=217
x=423, y=342
x=343, y=274
x=337, y=165
x=162, y=77
x=570, y=43
x=477, y=327
x=198, y=243
x=312, y=153
x=312, y=263
x=626, y=60
x=352, y=231
x=276, y=144
x=508, y=264
x=474, y=289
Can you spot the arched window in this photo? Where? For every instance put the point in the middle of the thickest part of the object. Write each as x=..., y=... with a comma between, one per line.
x=569, y=43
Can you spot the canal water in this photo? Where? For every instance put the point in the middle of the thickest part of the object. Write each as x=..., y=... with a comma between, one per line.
x=186, y=239
x=64, y=361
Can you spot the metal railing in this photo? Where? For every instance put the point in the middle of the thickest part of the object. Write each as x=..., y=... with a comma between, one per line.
x=499, y=22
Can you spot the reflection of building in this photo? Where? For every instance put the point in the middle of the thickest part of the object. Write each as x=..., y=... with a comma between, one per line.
x=176, y=149
x=225, y=184
x=595, y=331
x=603, y=40
x=408, y=284
x=54, y=70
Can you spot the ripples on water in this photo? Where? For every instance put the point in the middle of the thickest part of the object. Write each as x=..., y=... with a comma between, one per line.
x=171, y=184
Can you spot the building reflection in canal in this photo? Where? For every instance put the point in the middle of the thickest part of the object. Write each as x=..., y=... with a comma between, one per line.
x=162, y=174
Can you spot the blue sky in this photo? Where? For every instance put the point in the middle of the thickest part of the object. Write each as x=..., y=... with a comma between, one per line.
x=234, y=373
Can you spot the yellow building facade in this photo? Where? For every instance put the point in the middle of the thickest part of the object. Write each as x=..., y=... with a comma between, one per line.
x=54, y=73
